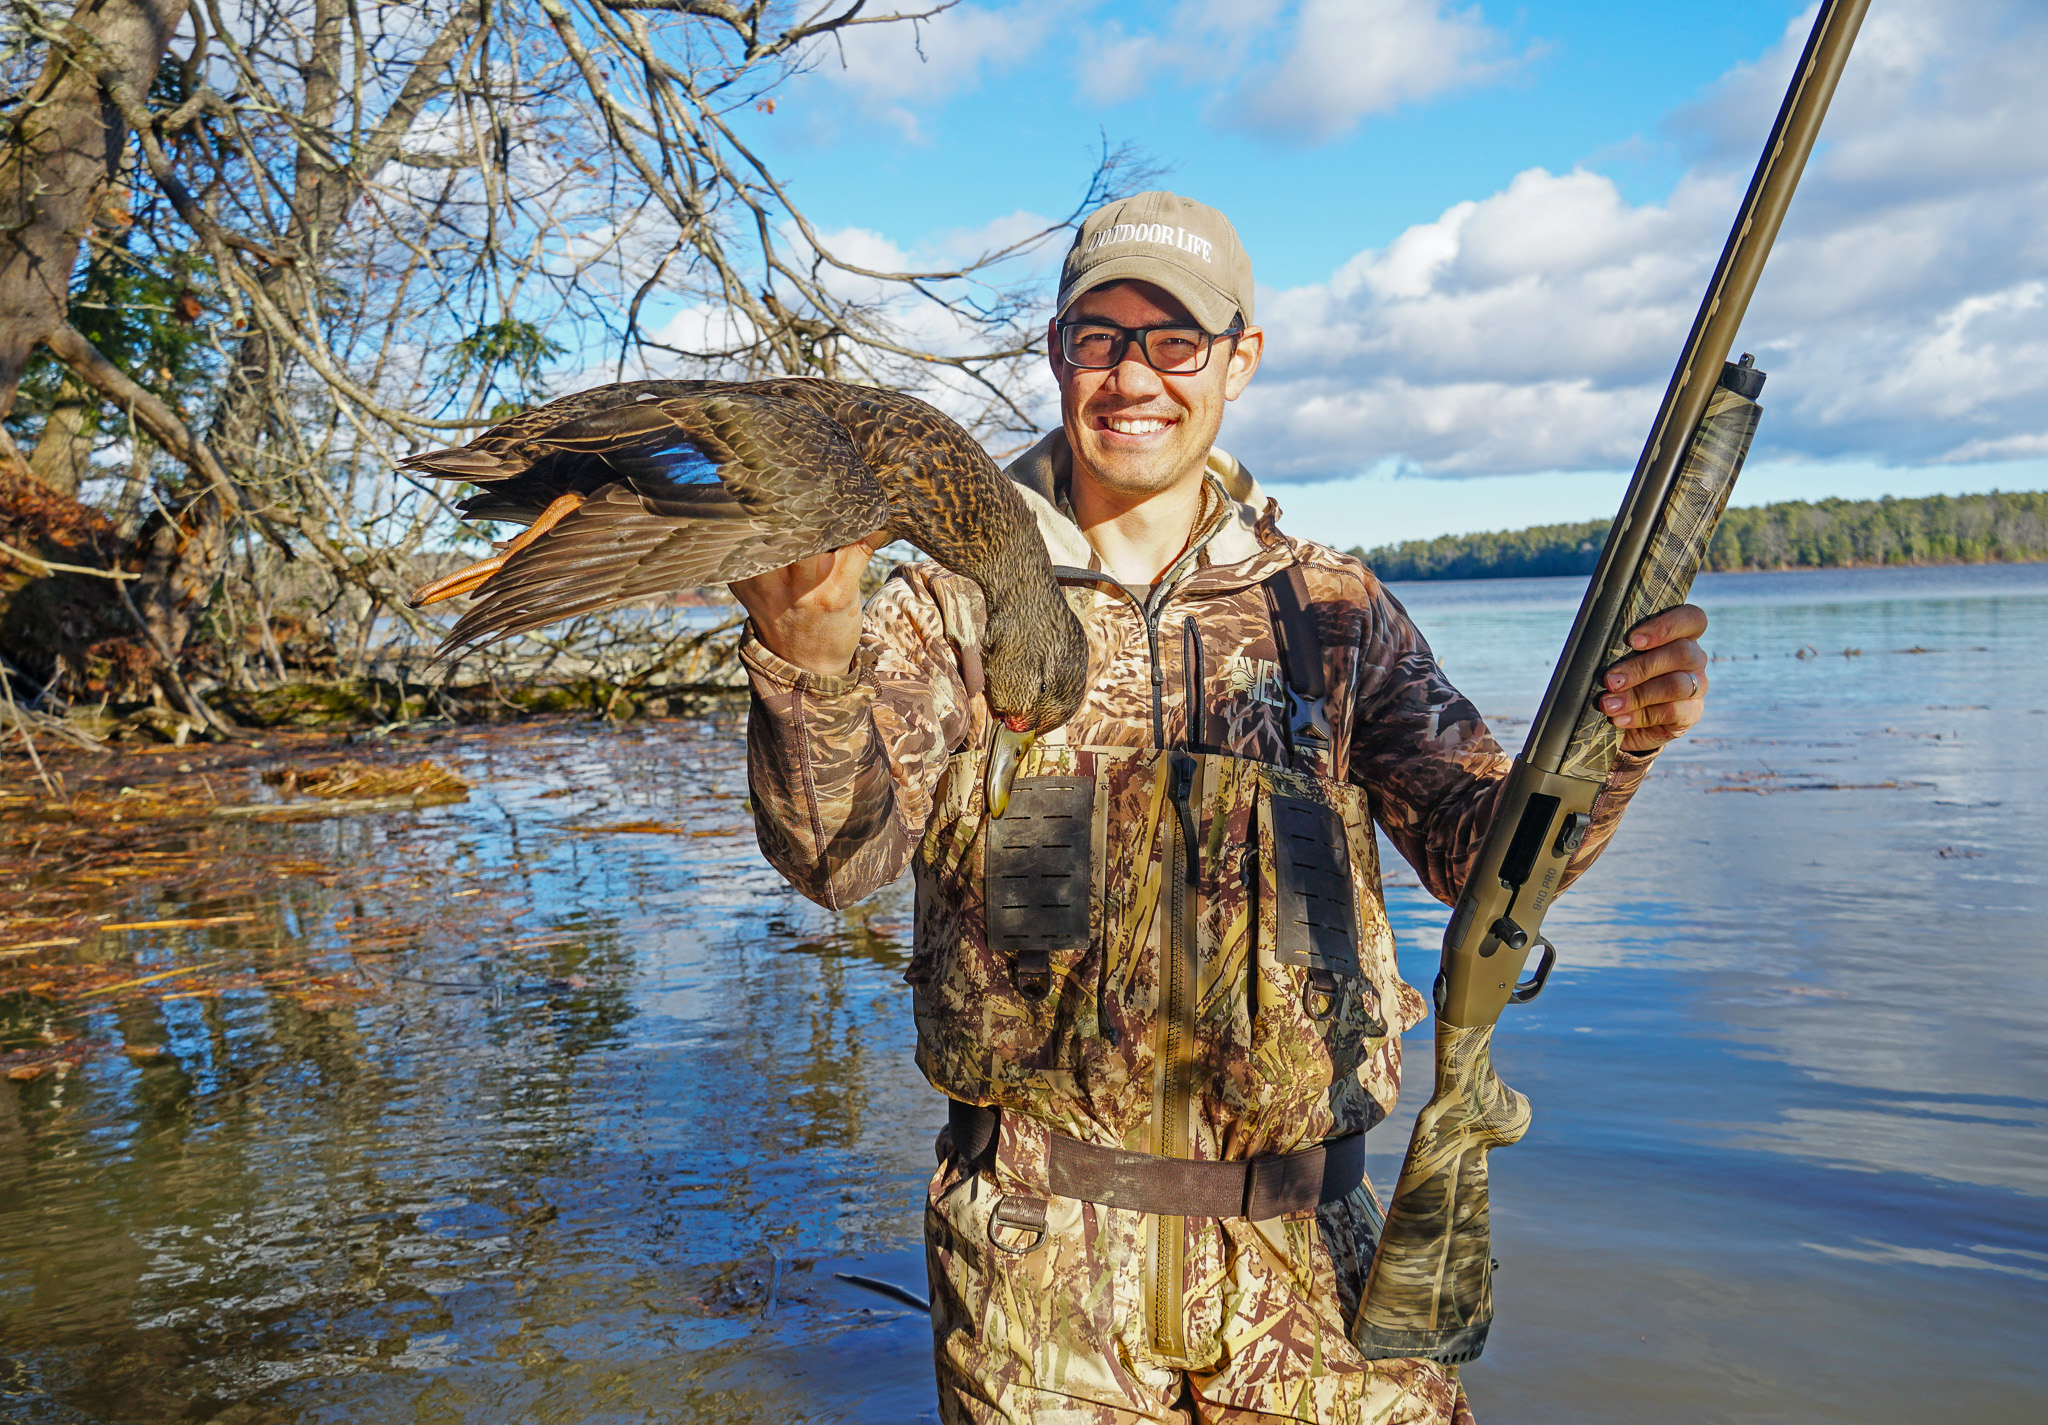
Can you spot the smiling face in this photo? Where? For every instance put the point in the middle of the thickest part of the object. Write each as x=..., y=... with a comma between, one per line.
x=1135, y=431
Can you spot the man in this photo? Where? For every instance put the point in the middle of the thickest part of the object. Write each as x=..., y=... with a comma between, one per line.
x=1169, y=957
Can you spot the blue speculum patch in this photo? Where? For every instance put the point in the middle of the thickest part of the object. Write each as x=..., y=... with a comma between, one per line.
x=684, y=463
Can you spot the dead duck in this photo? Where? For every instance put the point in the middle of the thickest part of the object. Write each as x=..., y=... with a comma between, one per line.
x=644, y=488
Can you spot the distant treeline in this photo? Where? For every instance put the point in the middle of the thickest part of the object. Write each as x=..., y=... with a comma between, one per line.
x=1831, y=534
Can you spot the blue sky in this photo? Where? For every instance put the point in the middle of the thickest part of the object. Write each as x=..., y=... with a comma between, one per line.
x=1480, y=230
x=1582, y=82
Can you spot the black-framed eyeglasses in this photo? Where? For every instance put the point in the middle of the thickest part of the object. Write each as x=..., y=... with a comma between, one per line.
x=1177, y=350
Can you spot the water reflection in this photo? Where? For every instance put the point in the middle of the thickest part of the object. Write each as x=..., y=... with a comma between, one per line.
x=587, y=1099
x=1788, y=1086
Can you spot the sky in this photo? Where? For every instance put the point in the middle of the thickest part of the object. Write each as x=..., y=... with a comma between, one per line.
x=1480, y=231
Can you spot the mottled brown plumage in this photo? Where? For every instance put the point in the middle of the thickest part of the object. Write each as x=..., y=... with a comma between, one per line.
x=648, y=487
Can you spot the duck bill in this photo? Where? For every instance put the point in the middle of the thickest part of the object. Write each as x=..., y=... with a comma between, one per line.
x=1003, y=760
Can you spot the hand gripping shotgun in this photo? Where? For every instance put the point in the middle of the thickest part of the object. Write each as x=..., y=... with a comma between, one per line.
x=1430, y=1293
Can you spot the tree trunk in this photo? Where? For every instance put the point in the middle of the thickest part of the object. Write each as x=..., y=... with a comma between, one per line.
x=61, y=149
x=63, y=453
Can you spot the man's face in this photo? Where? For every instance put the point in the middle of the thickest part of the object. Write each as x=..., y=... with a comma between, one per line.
x=1136, y=431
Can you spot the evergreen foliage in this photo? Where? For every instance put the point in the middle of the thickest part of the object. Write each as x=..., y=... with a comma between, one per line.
x=1829, y=534
x=1506, y=554
x=141, y=310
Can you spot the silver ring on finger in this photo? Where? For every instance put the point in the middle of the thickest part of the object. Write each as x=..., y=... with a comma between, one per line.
x=1695, y=683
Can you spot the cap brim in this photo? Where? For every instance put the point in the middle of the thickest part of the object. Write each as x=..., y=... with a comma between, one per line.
x=1207, y=303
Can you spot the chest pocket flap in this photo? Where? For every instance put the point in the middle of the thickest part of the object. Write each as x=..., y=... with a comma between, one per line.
x=1038, y=863
x=1317, y=920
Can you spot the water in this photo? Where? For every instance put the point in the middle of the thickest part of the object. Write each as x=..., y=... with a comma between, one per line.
x=606, y=1108
x=1788, y=1161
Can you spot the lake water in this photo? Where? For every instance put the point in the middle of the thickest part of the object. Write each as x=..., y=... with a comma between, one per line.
x=600, y=1106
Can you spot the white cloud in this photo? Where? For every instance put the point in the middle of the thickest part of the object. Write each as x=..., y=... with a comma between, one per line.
x=1294, y=70
x=1203, y=41
x=894, y=70
x=1904, y=314
x=1304, y=72
x=1351, y=58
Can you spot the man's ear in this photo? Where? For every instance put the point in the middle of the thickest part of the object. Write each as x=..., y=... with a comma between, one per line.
x=1244, y=360
x=1052, y=349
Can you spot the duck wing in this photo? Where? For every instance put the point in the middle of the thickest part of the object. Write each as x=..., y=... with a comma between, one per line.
x=518, y=473
x=684, y=491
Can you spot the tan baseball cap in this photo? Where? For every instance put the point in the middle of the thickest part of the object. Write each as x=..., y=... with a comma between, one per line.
x=1186, y=247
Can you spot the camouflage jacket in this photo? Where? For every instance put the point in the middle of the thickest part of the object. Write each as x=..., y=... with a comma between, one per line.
x=1234, y=990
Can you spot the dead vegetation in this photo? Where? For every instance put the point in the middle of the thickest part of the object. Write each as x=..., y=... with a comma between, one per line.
x=123, y=889
x=303, y=238
x=354, y=779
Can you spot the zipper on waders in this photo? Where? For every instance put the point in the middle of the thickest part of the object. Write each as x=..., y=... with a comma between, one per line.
x=1174, y=1031
x=1175, y=1047
x=1151, y=617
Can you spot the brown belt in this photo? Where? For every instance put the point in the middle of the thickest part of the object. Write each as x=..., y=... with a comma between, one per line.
x=1257, y=1188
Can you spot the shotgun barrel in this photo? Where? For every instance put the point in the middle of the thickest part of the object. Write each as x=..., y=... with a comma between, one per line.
x=1430, y=1292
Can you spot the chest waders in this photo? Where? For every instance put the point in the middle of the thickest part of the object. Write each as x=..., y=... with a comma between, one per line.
x=1152, y=905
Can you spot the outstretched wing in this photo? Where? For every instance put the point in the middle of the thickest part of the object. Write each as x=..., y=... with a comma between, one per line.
x=517, y=474
x=693, y=490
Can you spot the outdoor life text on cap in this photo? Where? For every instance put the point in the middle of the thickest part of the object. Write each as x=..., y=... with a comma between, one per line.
x=1185, y=247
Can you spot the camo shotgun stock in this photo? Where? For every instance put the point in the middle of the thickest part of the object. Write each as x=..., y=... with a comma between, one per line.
x=1430, y=1292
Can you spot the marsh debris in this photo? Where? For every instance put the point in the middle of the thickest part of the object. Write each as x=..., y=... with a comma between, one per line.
x=357, y=781
x=345, y=788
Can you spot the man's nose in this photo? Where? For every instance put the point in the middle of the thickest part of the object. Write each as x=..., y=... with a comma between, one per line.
x=1133, y=376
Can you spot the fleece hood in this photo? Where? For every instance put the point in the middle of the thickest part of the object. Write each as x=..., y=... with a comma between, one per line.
x=1045, y=473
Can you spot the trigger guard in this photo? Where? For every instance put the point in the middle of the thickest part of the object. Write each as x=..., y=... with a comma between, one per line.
x=1533, y=986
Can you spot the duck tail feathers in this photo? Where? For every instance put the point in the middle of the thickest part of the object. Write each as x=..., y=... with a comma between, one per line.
x=461, y=463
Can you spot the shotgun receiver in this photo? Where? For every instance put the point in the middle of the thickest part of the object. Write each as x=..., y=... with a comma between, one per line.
x=1430, y=1293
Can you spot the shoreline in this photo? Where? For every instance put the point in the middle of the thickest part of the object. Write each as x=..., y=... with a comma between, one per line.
x=1863, y=567
x=2004, y=526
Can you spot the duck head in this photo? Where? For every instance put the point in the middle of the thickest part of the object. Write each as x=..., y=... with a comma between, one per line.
x=1036, y=669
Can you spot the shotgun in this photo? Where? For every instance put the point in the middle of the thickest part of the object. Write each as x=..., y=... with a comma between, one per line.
x=1430, y=1291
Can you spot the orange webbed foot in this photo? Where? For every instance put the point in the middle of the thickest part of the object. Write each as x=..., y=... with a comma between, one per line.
x=469, y=580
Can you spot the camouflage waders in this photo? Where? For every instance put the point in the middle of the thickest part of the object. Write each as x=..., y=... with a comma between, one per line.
x=1177, y=949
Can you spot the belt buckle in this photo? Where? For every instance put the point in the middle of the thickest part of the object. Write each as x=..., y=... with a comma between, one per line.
x=1273, y=1178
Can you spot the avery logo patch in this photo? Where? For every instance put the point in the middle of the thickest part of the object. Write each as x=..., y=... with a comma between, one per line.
x=1163, y=233
x=1256, y=679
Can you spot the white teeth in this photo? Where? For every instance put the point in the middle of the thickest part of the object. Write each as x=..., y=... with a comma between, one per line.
x=1135, y=427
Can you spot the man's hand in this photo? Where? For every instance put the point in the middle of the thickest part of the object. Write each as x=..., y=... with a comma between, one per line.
x=1658, y=692
x=809, y=612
